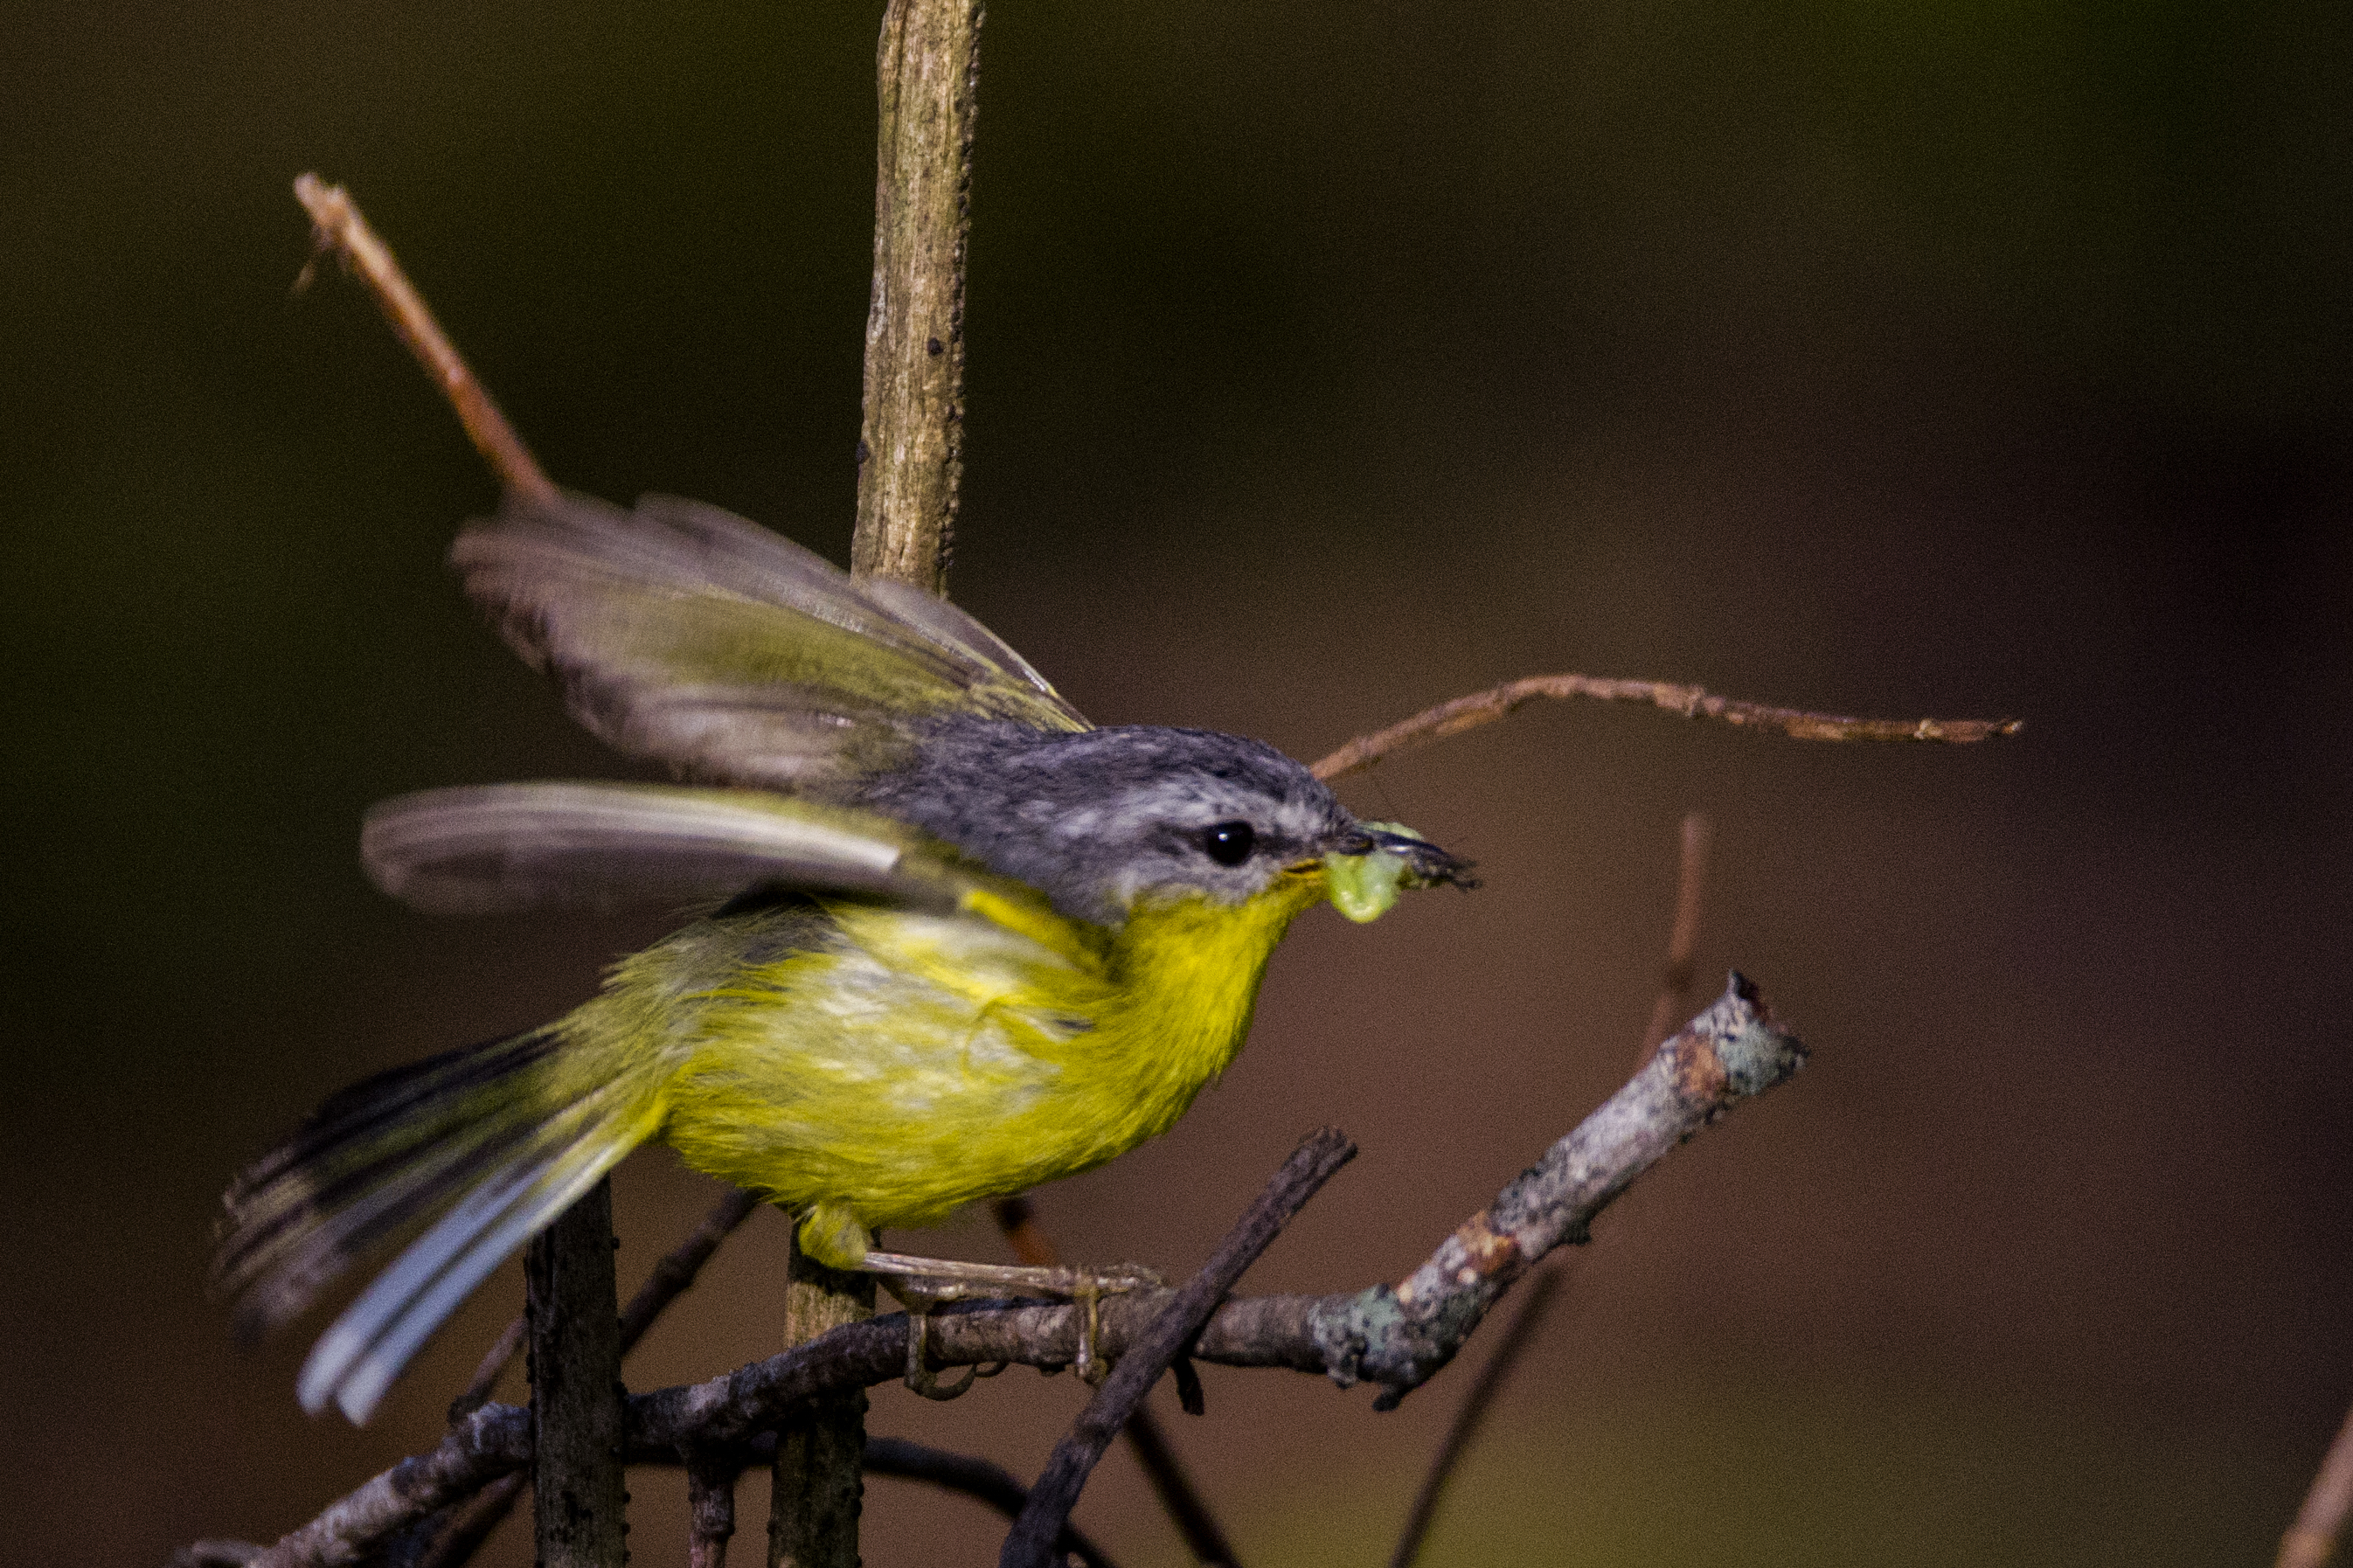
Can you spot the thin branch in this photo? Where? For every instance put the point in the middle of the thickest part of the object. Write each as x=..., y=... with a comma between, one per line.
x=1473, y=1413
x=670, y=1278
x=710, y=1513
x=492, y=1442
x=1396, y=1336
x=456, y=1534
x=2319, y=1524
x=1674, y=988
x=1690, y=701
x=340, y=229
x=901, y=1459
x=1017, y=1220
x=215, y=1555
x=974, y=1477
x=911, y=446
x=674, y=1275
x=491, y=1368
x=1179, y=1498
x=814, y=1486
x=1030, y=1543
x=577, y=1416
x=1691, y=885
x=910, y=463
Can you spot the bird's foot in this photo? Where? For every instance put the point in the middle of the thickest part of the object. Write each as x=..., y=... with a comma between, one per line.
x=924, y=1283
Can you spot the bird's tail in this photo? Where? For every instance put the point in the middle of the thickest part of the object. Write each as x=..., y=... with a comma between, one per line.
x=487, y=1144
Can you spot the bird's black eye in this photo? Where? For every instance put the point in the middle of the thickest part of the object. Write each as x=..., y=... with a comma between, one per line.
x=1229, y=843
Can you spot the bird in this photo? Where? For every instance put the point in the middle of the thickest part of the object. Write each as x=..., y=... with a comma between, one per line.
x=953, y=941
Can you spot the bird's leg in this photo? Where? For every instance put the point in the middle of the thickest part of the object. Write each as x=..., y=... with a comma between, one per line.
x=923, y=1283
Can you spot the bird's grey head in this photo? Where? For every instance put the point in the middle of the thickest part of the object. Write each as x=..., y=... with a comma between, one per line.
x=1098, y=819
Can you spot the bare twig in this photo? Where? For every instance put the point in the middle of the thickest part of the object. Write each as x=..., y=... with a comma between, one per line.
x=1396, y=1336
x=1674, y=988
x=578, y=1496
x=975, y=1478
x=1179, y=1498
x=2312, y=1541
x=498, y=1440
x=1691, y=885
x=674, y=1275
x=902, y=1459
x=1472, y=1413
x=493, y=1441
x=336, y=221
x=491, y=1368
x=710, y=1513
x=670, y=1279
x=910, y=462
x=814, y=1486
x=910, y=449
x=456, y=1534
x=457, y=1531
x=1030, y=1543
x=1691, y=701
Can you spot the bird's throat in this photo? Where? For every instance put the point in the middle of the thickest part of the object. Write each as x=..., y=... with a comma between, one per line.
x=1188, y=970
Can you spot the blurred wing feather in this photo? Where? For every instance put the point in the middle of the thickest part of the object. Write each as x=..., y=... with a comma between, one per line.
x=683, y=632
x=504, y=847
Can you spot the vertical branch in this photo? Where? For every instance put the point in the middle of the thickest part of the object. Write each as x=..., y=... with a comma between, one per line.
x=577, y=1498
x=449, y=1537
x=910, y=460
x=711, y=1509
x=814, y=1499
x=911, y=445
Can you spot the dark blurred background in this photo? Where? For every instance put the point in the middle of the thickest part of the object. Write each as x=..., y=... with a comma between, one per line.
x=1326, y=361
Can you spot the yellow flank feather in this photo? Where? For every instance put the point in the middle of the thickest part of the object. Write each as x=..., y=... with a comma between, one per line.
x=902, y=1064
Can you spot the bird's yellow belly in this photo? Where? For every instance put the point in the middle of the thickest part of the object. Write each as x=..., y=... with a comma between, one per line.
x=912, y=1063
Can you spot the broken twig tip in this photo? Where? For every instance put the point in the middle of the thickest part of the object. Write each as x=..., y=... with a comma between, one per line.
x=338, y=228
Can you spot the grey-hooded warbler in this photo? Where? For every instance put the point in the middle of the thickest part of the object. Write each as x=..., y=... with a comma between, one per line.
x=968, y=942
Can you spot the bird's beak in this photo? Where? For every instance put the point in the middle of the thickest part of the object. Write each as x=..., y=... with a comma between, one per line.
x=1367, y=866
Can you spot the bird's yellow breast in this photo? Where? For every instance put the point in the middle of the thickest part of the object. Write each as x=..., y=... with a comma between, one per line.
x=906, y=1063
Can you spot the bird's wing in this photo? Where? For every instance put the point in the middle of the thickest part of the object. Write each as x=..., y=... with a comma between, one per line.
x=503, y=848
x=682, y=632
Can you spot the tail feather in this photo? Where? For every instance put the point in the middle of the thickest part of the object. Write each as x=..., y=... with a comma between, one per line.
x=356, y=1359
x=373, y=1158
x=487, y=1144
x=306, y=1247
x=368, y=1105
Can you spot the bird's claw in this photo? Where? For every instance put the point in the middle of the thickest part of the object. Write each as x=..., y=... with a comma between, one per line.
x=920, y=1377
x=924, y=1283
x=1087, y=1291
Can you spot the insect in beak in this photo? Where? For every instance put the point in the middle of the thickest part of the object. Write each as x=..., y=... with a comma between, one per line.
x=1369, y=868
